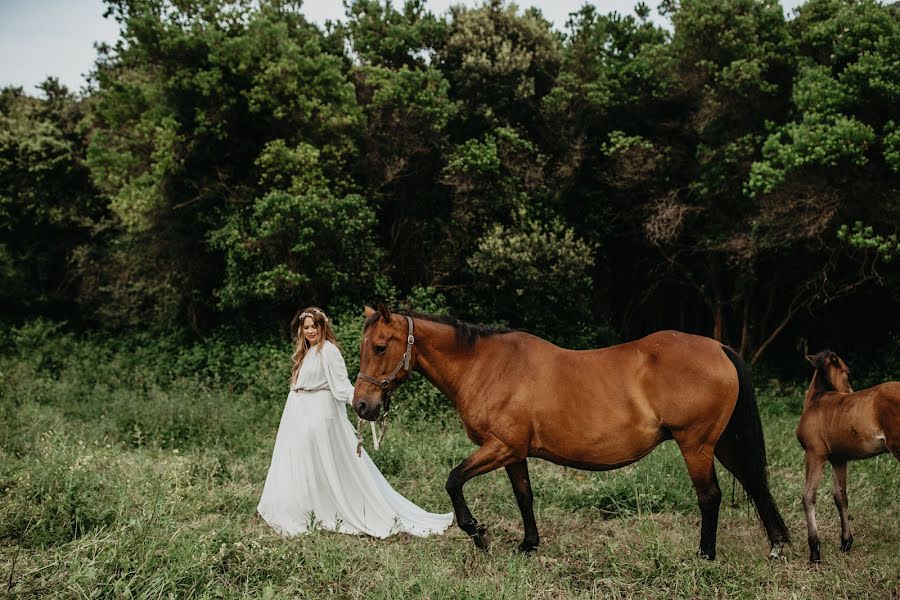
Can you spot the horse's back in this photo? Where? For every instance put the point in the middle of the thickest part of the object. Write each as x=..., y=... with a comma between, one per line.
x=676, y=379
x=852, y=425
x=889, y=390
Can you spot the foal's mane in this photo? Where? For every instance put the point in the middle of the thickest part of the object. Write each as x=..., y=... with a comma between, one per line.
x=466, y=332
x=820, y=362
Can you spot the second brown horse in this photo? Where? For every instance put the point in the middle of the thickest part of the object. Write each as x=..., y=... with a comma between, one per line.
x=839, y=425
x=520, y=396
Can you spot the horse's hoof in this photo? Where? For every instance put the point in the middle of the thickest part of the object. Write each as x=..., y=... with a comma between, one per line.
x=527, y=547
x=814, y=555
x=480, y=537
x=845, y=545
x=777, y=553
x=707, y=555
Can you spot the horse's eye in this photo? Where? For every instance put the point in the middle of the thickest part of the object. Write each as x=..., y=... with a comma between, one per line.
x=380, y=349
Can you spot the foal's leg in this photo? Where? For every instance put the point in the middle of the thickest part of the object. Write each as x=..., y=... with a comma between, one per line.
x=839, y=480
x=521, y=484
x=814, y=466
x=701, y=467
x=493, y=454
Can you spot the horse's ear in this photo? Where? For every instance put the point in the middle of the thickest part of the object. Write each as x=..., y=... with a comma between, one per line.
x=383, y=311
x=368, y=311
x=811, y=359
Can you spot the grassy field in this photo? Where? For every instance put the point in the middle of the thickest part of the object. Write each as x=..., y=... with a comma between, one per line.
x=119, y=478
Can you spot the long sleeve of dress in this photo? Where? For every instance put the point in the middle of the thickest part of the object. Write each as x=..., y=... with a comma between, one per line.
x=336, y=374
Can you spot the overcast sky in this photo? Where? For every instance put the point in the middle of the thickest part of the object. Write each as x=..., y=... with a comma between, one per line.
x=41, y=38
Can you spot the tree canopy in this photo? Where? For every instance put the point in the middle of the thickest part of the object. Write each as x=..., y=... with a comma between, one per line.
x=735, y=175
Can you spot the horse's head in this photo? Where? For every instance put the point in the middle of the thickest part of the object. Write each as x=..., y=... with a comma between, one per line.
x=385, y=360
x=832, y=374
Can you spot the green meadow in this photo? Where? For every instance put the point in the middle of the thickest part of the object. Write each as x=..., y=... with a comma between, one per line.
x=131, y=468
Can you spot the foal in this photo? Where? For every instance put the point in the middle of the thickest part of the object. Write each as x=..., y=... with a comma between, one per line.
x=838, y=425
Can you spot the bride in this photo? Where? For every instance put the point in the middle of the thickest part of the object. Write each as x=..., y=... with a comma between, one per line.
x=316, y=478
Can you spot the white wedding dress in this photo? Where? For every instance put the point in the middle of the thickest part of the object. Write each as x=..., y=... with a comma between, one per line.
x=316, y=478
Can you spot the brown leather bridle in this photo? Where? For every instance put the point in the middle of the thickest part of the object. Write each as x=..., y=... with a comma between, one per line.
x=385, y=383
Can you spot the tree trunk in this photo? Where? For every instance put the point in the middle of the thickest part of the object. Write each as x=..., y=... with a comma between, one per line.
x=784, y=323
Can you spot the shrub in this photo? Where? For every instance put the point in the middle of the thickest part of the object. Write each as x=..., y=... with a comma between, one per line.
x=536, y=275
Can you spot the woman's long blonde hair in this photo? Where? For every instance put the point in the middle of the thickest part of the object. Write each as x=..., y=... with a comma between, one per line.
x=301, y=344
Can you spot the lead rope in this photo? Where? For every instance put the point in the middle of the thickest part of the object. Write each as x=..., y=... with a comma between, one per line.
x=384, y=426
x=359, y=436
x=376, y=439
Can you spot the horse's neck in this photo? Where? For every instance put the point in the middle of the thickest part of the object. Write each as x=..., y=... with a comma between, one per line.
x=450, y=365
x=816, y=389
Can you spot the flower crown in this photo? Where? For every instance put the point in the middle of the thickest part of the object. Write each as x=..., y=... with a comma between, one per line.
x=305, y=314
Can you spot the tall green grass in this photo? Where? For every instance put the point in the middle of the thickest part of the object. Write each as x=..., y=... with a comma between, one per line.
x=132, y=467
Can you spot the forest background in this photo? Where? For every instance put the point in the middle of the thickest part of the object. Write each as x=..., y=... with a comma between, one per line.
x=735, y=175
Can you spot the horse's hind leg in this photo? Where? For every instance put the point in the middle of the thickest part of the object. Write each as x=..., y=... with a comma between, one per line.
x=493, y=454
x=726, y=452
x=839, y=480
x=521, y=484
x=892, y=443
x=814, y=466
x=701, y=467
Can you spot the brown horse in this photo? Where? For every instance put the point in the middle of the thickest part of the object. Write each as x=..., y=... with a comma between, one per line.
x=520, y=396
x=838, y=425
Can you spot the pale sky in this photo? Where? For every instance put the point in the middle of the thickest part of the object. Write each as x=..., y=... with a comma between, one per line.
x=41, y=38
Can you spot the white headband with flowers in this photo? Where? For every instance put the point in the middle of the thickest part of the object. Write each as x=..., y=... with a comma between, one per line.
x=305, y=314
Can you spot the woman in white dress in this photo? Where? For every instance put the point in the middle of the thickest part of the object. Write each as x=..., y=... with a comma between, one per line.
x=316, y=478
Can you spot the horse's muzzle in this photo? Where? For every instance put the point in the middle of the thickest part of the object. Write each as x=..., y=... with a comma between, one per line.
x=366, y=408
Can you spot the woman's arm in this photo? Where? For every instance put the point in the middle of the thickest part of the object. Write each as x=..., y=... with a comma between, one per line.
x=336, y=373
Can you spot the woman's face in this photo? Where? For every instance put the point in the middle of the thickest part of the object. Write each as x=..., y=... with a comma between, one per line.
x=309, y=330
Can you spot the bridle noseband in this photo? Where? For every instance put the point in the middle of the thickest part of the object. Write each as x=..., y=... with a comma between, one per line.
x=385, y=383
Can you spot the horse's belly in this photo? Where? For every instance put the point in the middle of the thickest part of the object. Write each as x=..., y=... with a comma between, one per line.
x=590, y=465
x=859, y=446
x=599, y=455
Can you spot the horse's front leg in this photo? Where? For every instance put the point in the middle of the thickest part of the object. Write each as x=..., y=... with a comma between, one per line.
x=814, y=466
x=839, y=490
x=493, y=454
x=521, y=484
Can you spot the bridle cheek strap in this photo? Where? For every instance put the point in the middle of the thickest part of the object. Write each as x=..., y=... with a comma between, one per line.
x=384, y=384
x=403, y=364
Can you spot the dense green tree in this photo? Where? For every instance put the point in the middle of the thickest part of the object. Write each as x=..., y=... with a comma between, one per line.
x=500, y=64
x=734, y=175
x=609, y=122
x=401, y=150
x=298, y=242
x=831, y=162
x=49, y=211
x=381, y=35
x=536, y=274
x=204, y=111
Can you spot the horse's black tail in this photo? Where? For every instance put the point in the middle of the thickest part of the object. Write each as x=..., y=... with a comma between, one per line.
x=744, y=438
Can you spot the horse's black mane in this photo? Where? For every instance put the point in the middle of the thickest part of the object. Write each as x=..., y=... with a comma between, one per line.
x=465, y=332
x=820, y=362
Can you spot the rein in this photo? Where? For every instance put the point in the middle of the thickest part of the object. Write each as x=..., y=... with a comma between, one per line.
x=384, y=384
